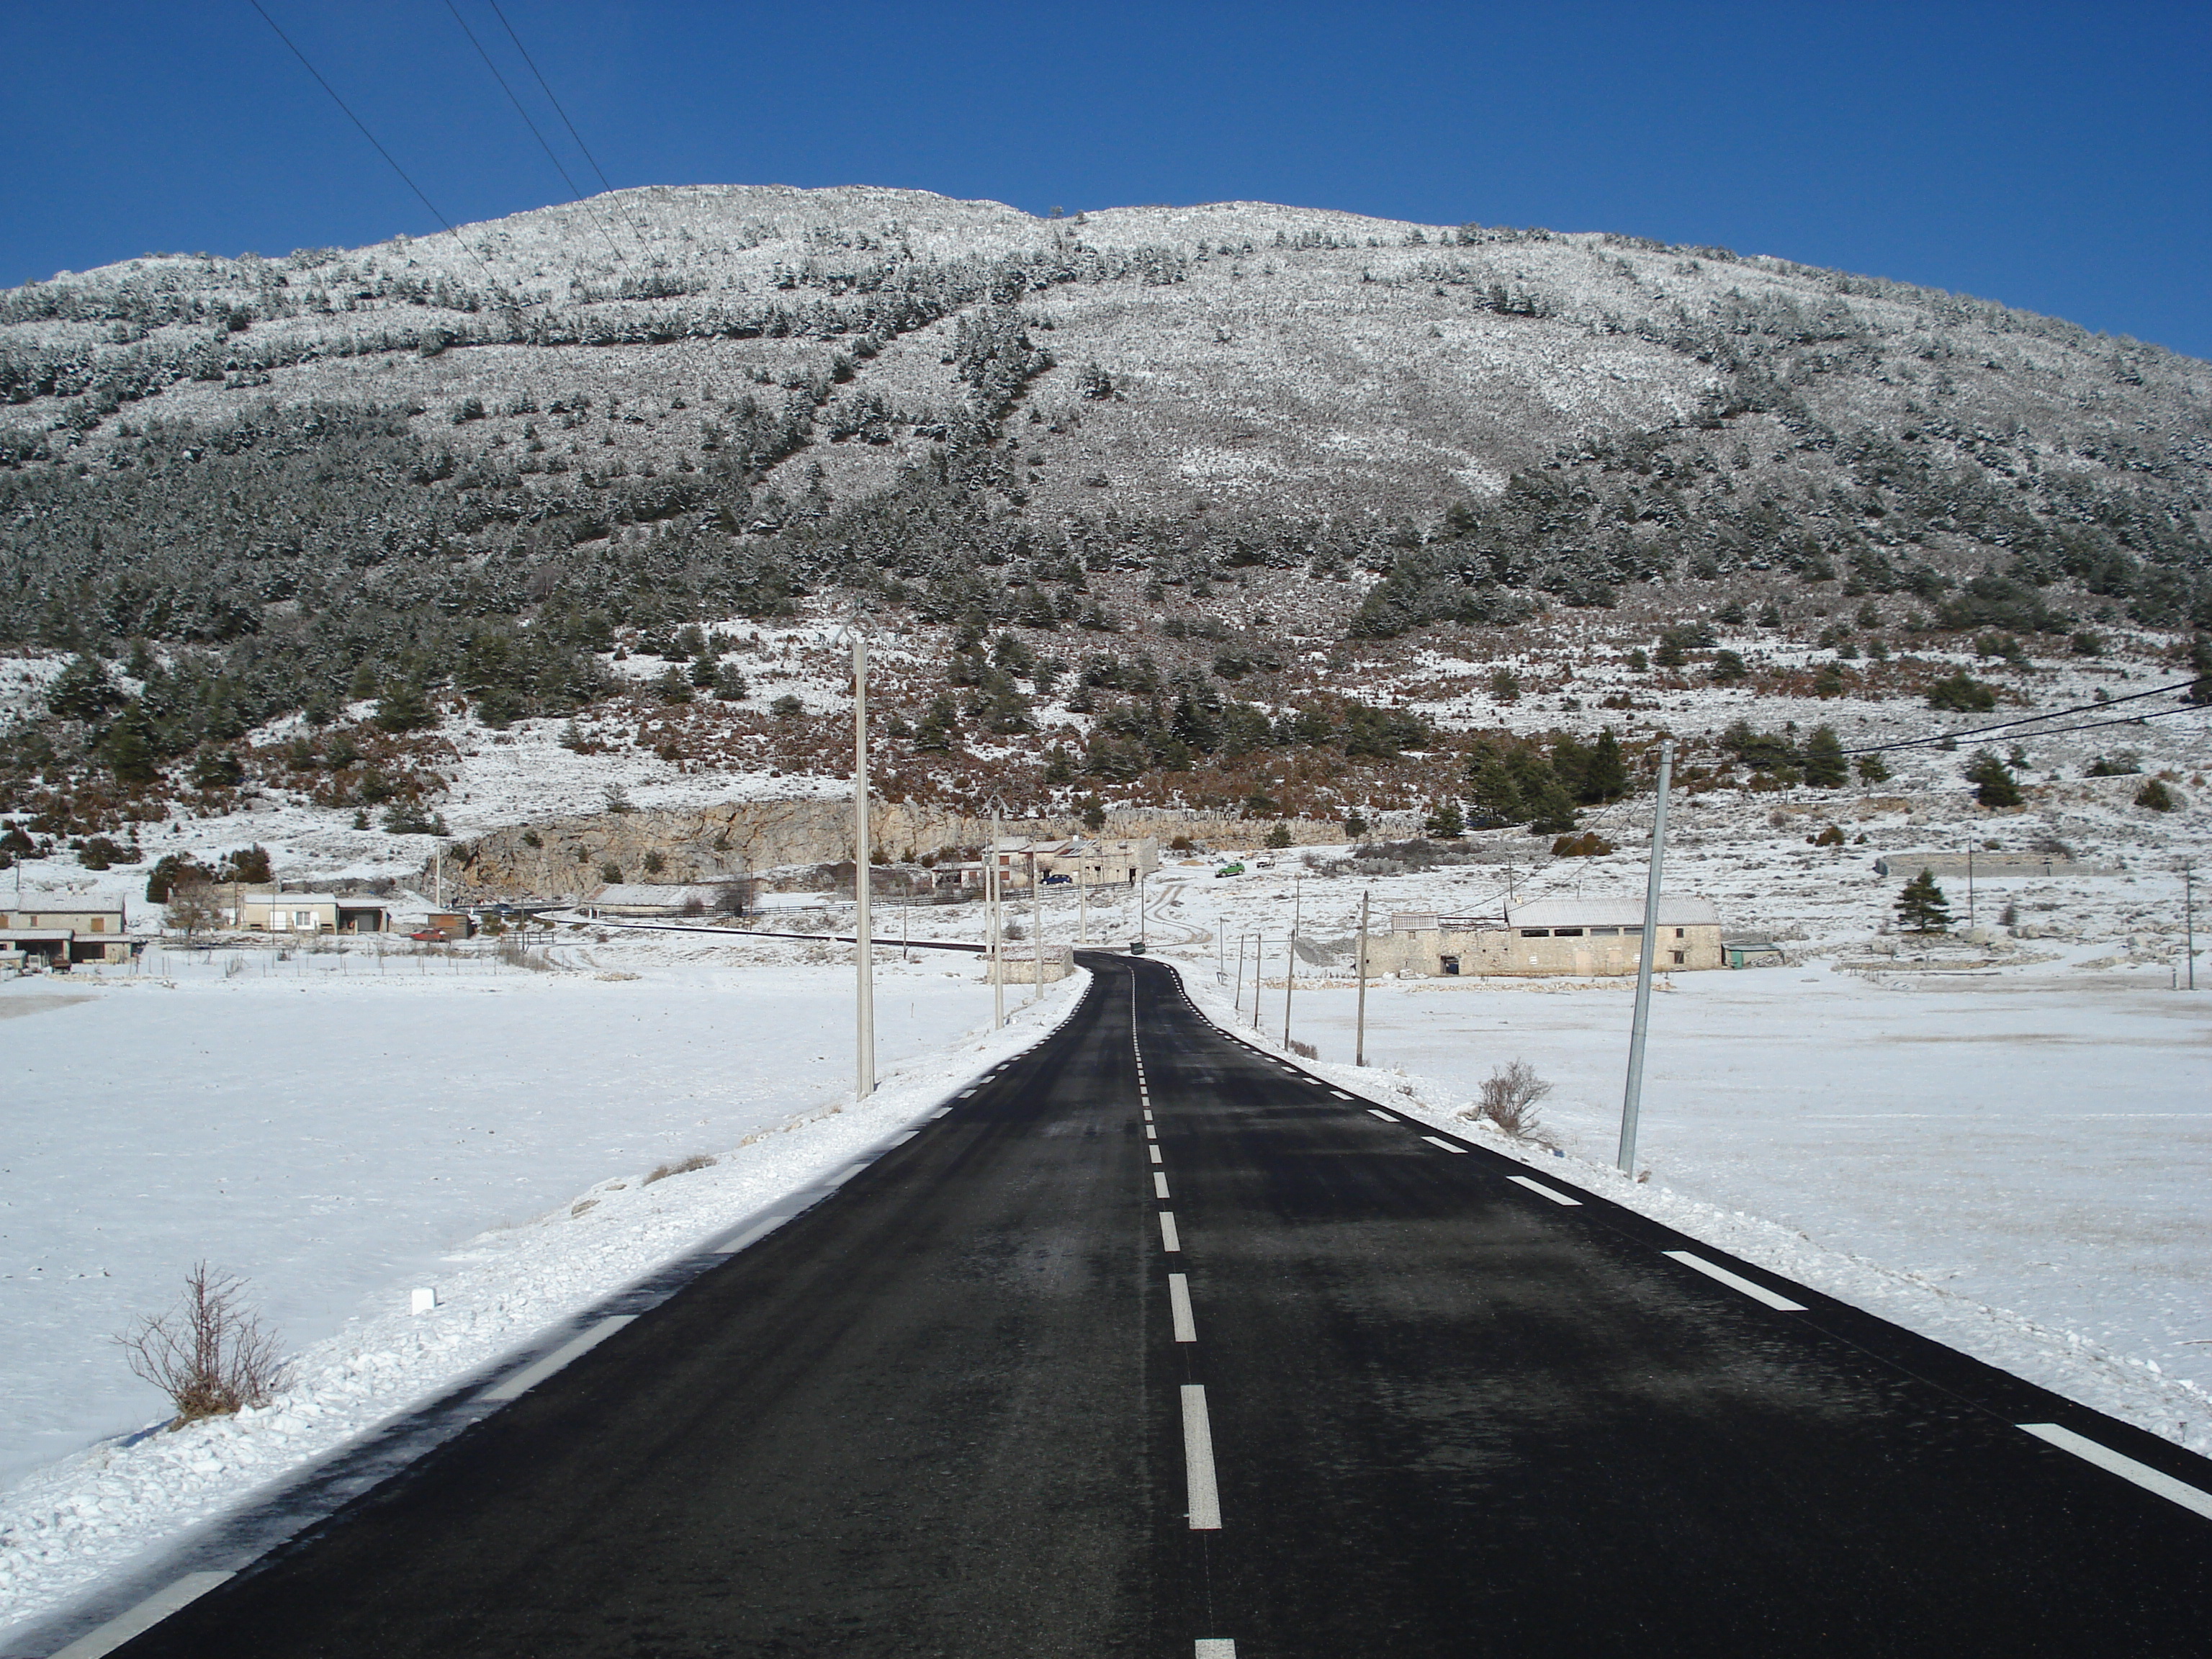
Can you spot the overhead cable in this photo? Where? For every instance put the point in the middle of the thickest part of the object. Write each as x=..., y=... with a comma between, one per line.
x=2036, y=719
x=461, y=242
x=539, y=77
x=576, y=193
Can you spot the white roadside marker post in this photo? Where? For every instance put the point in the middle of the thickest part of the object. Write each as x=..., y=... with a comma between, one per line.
x=1632, y=1098
x=864, y=1002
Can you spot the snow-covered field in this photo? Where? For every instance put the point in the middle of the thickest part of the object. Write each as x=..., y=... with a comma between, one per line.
x=341, y=1134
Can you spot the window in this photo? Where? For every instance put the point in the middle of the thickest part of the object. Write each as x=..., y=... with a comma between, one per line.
x=304, y=920
x=1535, y=933
x=1678, y=957
x=1452, y=965
x=1566, y=933
x=1678, y=934
x=1605, y=933
x=98, y=925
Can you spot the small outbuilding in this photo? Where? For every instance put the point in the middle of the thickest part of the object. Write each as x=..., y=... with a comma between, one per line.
x=642, y=901
x=1584, y=936
x=65, y=931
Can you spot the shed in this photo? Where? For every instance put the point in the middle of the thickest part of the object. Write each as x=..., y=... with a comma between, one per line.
x=1601, y=936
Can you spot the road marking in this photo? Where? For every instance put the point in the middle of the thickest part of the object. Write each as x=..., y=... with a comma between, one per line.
x=1376, y=1111
x=1438, y=1140
x=1198, y=1461
x=1150, y=1133
x=1169, y=1239
x=1736, y=1281
x=575, y=1348
x=908, y=1136
x=1155, y=1151
x=940, y=1112
x=1159, y=1185
x=965, y=1093
x=1556, y=1196
x=1340, y=1094
x=1185, y=1328
x=752, y=1235
x=1148, y=1114
x=1215, y=1647
x=844, y=1176
x=2192, y=1498
x=143, y=1617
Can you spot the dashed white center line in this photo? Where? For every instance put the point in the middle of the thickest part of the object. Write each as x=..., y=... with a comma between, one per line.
x=1185, y=1328
x=1376, y=1111
x=1737, y=1282
x=1340, y=1094
x=575, y=1348
x=1539, y=1187
x=1159, y=1185
x=1155, y=1151
x=143, y=1618
x=1215, y=1647
x=1150, y=1133
x=1438, y=1141
x=1148, y=1114
x=1198, y=1461
x=2150, y=1479
x=1169, y=1238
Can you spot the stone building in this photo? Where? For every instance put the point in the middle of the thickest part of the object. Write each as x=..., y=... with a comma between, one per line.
x=1582, y=936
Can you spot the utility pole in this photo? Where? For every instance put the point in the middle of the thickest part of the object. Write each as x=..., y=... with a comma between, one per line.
x=1969, y=883
x=1082, y=904
x=1290, y=954
x=1632, y=1098
x=1360, y=1028
x=863, y=965
x=1237, y=997
x=1144, y=935
x=2188, y=920
x=1037, y=926
x=1259, y=973
x=991, y=905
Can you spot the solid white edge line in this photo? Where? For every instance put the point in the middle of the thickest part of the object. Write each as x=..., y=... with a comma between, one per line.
x=1540, y=1187
x=143, y=1617
x=1376, y=1111
x=1438, y=1140
x=1186, y=1326
x=1214, y=1647
x=1198, y=1461
x=1713, y=1270
x=1169, y=1239
x=752, y=1235
x=575, y=1348
x=1159, y=1185
x=2192, y=1498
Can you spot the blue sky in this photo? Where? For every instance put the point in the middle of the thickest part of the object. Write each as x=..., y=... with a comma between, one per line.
x=2051, y=156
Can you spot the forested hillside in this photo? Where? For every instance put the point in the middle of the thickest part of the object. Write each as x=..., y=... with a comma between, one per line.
x=474, y=464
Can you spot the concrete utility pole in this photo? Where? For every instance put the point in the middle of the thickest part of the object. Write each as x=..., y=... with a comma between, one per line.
x=1259, y=973
x=1632, y=1099
x=2188, y=920
x=864, y=966
x=1237, y=997
x=1082, y=904
x=1290, y=953
x=1037, y=926
x=1359, y=1026
x=991, y=909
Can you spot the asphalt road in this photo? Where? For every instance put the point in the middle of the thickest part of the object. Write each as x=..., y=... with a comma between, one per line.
x=1379, y=1398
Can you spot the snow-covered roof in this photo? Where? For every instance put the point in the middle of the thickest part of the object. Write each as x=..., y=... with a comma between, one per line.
x=646, y=892
x=1673, y=912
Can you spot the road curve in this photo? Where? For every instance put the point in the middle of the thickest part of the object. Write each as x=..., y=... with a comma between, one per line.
x=1153, y=1343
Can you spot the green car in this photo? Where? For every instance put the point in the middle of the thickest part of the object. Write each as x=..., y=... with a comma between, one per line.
x=1230, y=870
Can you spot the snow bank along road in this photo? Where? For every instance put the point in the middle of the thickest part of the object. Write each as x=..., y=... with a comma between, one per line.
x=1153, y=1344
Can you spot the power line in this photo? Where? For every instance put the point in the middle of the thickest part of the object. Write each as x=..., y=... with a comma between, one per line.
x=489, y=280
x=539, y=77
x=2034, y=719
x=575, y=194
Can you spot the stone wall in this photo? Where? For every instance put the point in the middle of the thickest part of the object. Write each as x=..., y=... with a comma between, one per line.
x=561, y=857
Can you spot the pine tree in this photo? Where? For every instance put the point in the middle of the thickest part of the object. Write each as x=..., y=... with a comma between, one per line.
x=1825, y=766
x=1922, y=907
x=1994, y=783
x=1491, y=789
x=1605, y=775
x=1445, y=823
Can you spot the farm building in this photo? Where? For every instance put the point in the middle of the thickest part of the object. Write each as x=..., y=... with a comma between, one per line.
x=65, y=931
x=267, y=912
x=1549, y=936
x=646, y=901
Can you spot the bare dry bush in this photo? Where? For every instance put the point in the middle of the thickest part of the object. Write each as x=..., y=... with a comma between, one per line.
x=1304, y=1050
x=1509, y=1100
x=696, y=1160
x=209, y=1353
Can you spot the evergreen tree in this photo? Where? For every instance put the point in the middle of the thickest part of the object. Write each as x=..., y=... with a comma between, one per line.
x=1994, y=783
x=1873, y=768
x=130, y=746
x=1445, y=821
x=1604, y=774
x=1825, y=766
x=1922, y=907
x=940, y=726
x=405, y=708
x=1493, y=792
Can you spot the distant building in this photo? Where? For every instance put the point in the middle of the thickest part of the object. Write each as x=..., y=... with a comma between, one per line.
x=1992, y=864
x=260, y=910
x=63, y=931
x=642, y=901
x=1591, y=936
x=1070, y=860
